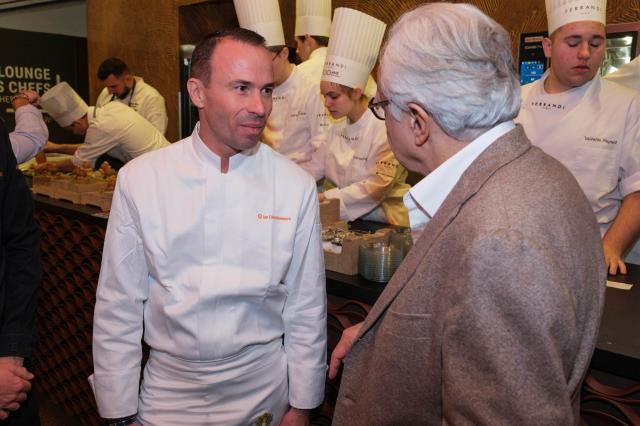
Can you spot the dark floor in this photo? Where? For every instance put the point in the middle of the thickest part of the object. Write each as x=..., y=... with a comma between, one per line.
x=53, y=415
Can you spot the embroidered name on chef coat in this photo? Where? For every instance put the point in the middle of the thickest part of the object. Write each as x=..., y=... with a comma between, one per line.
x=600, y=140
x=386, y=168
x=266, y=216
x=348, y=138
x=298, y=114
x=547, y=106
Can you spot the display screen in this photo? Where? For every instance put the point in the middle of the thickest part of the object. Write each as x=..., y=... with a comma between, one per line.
x=531, y=71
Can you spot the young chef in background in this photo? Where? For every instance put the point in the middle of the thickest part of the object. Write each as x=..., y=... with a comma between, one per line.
x=298, y=122
x=122, y=86
x=213, y=248
x=114, y=129
x=31, y=133
x=591, y=125
x=356, y=159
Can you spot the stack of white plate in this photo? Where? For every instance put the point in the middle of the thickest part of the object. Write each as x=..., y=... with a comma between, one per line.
x=378, y=261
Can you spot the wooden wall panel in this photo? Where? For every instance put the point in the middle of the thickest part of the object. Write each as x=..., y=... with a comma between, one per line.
x=146, y=33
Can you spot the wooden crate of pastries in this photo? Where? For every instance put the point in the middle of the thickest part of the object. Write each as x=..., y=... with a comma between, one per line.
x=82, y=186
x=346, y=262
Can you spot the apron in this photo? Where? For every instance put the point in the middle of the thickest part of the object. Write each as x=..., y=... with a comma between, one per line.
x=233, y=391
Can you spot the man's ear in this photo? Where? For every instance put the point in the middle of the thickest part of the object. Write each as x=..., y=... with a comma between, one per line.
x=420, y=121
x=196, y=92
x=284, y=53
x=546, y=47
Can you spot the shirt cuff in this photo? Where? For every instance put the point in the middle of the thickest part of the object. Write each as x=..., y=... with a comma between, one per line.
x=306, y=386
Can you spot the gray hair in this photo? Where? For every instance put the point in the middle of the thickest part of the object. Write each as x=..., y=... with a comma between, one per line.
x=456, y=63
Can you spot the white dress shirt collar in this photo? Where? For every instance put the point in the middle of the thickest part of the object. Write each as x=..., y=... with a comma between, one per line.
x=426, y=197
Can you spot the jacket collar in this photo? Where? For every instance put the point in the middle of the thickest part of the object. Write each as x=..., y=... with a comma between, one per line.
x=502, y=152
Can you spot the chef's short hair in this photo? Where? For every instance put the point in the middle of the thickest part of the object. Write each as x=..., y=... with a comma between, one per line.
x=456, y=63
x=114, y=66
x=200, y=67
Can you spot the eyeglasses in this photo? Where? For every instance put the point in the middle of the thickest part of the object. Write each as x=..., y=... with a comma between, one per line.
x=377, y=108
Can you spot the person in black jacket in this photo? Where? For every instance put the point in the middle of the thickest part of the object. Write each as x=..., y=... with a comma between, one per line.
x=20, y=275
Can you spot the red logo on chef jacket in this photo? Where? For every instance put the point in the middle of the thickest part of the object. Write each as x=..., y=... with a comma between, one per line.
x=265, y=216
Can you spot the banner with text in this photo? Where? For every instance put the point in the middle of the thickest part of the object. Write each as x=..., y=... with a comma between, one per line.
x=39, y=61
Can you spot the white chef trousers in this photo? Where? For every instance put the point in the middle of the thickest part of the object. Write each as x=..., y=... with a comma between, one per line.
x=232, y=391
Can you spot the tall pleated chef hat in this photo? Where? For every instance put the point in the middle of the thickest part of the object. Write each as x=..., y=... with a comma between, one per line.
x=562, y=12
x=313, y=17
x=262, y=17
x=354, y=45
x=63, y=104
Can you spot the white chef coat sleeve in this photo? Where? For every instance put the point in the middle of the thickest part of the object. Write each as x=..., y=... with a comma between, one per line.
x=96, y=142
x=359, y=198
x=118, y=318
x=30, y=133
x=315, y=166
x=305, y=310
x=156, y=113
x=630, y=158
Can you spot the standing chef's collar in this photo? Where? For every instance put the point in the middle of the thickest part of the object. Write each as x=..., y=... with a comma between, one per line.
x=319, y=51
x=211, y=158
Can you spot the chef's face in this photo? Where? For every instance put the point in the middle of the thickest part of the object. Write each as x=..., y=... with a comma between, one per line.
x=576, y=51
x=119, y=86
x=234, y=106
x=280, y=65
x=303, y=47
x=79, y=127
x=337, y=99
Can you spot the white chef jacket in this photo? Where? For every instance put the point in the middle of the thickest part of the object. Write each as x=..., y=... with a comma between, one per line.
x=145, y=100
x=119, y=131
x=315, y=64
x=425, y=198
x=30, y=133
x=628, y=75
x=594, y=130
x=298, y=120
x=358, y=160
x=215, y=264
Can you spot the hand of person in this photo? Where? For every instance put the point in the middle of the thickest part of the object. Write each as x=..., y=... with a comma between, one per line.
x=342, y=349
x=14, y=384
x=50, y=147
x=321, y=197
x=295, y=417
x=613, y=259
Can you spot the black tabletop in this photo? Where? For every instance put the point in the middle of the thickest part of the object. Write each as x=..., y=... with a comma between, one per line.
x=618, y=347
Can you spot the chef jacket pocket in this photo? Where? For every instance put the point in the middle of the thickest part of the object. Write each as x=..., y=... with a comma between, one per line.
x=406, y=325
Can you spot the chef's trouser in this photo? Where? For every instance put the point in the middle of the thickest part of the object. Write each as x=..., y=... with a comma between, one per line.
x=232, y=391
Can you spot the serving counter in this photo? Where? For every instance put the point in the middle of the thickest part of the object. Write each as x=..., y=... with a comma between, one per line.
x=72, y=239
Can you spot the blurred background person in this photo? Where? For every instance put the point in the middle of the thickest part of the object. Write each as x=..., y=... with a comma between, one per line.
x=121, y=86
x=114, y=129
x=356, y=161
x=31, y=133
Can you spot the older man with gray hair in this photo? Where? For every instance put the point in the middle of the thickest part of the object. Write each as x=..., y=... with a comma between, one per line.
x=492, y=317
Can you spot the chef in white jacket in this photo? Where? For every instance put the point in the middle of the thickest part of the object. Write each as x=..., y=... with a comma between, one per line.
x=113, y=129
x=312, y=31
x=214, y=245
x=356, y=161
x=31, y=133
x=627, y=75
x=590, y=124
x=298, y=120
x=132, y=91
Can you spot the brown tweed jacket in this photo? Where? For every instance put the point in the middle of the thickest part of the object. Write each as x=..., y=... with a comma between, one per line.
x=493, y=316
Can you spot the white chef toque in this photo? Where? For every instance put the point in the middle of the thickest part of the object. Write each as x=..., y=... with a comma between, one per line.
x=354, y=45
x=262, y=17
x=63, y=104
x=562, y=12
x=313, y=17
